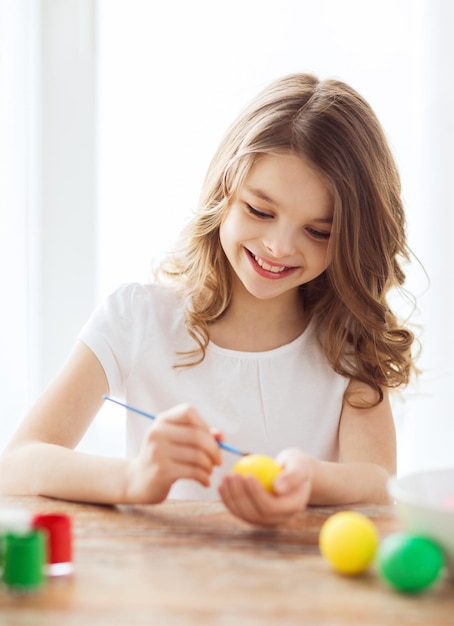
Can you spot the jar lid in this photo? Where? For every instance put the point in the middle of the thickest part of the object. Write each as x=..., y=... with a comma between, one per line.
x=15, y=520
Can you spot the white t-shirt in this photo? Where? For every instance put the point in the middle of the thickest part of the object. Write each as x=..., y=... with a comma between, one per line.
x=263, y=402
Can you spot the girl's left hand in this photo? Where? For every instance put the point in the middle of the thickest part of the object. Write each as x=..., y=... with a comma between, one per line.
x=246, y=498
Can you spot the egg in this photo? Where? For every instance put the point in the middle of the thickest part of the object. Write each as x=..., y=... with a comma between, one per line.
x=409, y=563
x=349, y=541
x=263, y=467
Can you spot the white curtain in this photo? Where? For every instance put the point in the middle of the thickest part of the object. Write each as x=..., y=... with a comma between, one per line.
x=156, y=92
x=18, y=123
x=47, y=192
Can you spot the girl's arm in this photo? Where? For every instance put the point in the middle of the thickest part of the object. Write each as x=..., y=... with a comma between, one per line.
x=40, y=459
x=367, y=444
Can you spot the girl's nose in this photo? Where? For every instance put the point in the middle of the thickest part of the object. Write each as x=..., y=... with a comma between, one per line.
x=281, y=243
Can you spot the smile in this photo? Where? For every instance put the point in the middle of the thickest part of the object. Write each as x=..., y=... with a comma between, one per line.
x=277, y=269
x=267, y=269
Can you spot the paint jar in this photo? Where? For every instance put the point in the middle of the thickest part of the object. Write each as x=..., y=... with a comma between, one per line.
x=58, y=528
x=24, y=561
x=14, y=520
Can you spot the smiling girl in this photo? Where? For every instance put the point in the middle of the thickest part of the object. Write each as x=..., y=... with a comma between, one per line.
x=268, y=326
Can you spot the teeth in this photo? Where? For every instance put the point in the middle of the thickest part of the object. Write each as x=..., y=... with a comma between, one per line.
x=269, y=268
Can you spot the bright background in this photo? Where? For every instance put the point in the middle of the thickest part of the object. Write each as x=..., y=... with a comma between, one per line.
x=110, y=111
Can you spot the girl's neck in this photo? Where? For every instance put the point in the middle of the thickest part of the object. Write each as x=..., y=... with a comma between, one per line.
x=252, y=325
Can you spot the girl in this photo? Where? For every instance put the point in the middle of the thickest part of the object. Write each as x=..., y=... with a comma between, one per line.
x=268, y=326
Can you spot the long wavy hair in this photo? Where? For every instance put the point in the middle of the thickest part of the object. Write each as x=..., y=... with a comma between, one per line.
x=336, y=131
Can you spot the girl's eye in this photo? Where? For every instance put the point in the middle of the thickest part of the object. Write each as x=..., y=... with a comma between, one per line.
x=318, y=234
x=257, y=213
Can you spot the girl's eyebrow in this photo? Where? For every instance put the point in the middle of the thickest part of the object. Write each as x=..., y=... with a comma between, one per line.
x=324, y=220
x=258, y=193
x=261, y=194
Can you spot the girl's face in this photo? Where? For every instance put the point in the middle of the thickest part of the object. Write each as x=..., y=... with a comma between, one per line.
x=276, y=233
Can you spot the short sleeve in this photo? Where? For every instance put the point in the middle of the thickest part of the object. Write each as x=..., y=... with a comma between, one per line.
x=112, y=333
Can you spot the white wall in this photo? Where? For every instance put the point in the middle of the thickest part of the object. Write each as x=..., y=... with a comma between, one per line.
x=173, y=75
x=429, y=414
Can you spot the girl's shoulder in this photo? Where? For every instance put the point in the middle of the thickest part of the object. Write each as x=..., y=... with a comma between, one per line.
x=131, y=299
x=135, y=311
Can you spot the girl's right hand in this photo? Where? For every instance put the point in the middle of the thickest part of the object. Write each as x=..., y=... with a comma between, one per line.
x=178, y=445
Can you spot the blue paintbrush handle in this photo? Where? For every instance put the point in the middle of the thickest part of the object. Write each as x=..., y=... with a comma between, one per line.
x=221, y=444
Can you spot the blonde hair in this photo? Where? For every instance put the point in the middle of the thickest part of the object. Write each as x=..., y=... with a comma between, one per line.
x=334, y=128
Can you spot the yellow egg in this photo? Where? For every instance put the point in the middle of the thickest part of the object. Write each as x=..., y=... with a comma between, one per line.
x=349, y=541
x=263, y=467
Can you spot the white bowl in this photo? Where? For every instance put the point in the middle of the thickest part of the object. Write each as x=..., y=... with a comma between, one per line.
x=425, y=505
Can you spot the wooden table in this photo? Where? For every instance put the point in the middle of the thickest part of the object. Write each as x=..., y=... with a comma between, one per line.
x=192, y=563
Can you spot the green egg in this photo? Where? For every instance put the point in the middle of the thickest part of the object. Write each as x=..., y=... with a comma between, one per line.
x=409, y=563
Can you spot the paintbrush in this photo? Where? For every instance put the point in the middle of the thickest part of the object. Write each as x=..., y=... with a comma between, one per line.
x=221, y=444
